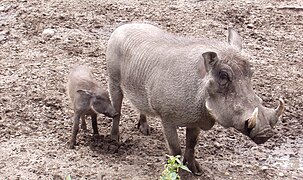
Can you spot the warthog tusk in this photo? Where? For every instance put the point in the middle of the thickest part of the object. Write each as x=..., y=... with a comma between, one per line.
x=280, y=109
x=210, y=112
x=253, y=120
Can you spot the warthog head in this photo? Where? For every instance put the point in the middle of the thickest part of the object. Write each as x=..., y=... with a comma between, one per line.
x=100, y=103
x=231, y=100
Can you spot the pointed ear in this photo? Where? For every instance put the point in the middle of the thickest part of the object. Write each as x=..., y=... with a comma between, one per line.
x=234, y=39
x=85, y=92
x=210, y=59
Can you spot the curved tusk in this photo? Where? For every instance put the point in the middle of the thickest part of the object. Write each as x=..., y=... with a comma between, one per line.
x=253, y=120
x=280, y=109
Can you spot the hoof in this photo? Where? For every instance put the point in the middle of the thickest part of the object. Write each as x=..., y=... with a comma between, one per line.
x=96, y=136
x=71, y=146
x=198, y=173
x=115, y=137
x=144, y=129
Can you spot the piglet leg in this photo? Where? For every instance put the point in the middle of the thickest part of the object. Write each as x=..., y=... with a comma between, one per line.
x=95, y=125
x=76, y=120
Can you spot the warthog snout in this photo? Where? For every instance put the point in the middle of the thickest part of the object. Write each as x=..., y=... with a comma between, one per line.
x=260, y=125
x=263, y=136
x=111, y=114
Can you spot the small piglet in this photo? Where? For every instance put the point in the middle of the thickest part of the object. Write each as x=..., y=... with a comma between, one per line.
x=88, y=98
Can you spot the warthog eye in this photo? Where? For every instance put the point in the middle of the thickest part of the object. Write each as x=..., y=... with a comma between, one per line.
x=100, y=98
x=224, y=77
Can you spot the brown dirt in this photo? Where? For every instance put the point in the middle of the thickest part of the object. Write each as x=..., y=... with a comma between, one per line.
x=35, y=115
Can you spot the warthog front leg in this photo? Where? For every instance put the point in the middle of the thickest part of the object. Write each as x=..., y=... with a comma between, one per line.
x=76, y=122
x=171, y=136
x=83, y=122
x=189, y=155
x=95, y=124
x=116, y=97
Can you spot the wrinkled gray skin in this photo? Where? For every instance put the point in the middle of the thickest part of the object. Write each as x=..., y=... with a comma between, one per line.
x=88, y=98
x=186, y=82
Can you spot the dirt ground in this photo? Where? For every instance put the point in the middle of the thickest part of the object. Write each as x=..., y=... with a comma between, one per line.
x=40, y=40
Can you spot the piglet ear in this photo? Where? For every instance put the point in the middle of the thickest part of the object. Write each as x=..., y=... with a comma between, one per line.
x=234, y=39
x=210, y=59
x=84, y=92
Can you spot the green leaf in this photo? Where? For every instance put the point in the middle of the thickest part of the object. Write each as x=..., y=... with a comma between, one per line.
x=185, y=168
x=172, y=167
x=178, y=156
x=178, y=161
x=68, y=177
x=174, y=175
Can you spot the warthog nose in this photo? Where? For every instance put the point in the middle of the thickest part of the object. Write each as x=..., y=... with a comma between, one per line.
x=260, y=140
x=115, y=114
x=111, y=115
x=263, y=136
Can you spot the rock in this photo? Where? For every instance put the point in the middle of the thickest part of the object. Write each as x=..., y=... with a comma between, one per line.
x=2, y=38
x=217, y=145
x=3, y=35
x=48, y=33
x=4, y=8
x=250, y=26
x=263, y=168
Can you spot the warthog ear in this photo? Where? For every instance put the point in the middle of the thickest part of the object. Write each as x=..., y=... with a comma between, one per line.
x=234, y=39
x=210, y=59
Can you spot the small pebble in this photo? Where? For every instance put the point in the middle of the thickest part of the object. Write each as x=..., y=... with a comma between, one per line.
x=217, y=145
x=250, y=26
x=48, y=33
x=264, y=168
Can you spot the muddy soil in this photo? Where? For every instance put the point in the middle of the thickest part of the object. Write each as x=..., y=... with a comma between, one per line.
x=41, y=40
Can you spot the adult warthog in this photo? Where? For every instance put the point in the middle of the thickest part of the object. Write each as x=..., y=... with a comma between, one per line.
x=186, y=82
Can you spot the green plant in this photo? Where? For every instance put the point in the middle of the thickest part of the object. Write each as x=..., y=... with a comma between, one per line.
x=68, y=177
x=172, y=168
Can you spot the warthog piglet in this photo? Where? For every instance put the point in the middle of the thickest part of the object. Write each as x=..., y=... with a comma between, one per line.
x=88, y=98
